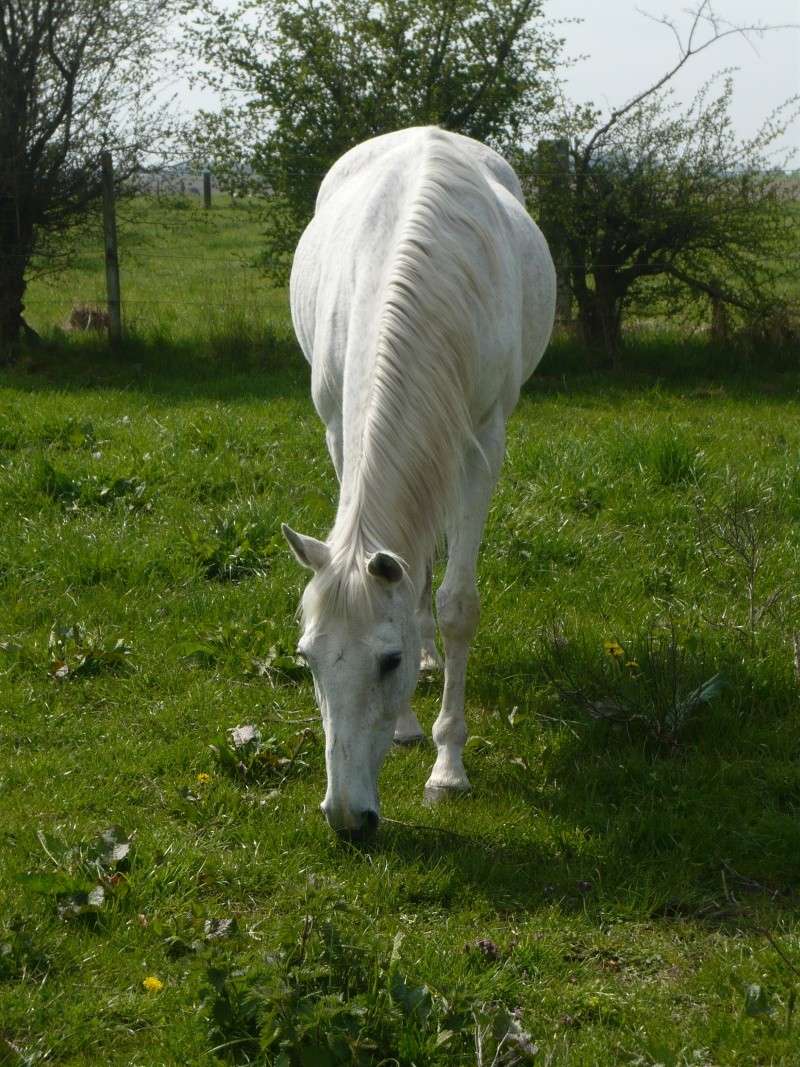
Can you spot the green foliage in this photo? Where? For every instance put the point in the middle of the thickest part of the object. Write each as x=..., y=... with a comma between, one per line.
x=71, y=433
x=662, y=206
x=317, y=79
x=20, y=955
x=328, y=996
x=249, y=757
x=737, y=536
x=648, y=685
x=75, y=652
x=232, y=549
x=86, y=877
x=675, y=461
x=248, y=651
x=88, y=491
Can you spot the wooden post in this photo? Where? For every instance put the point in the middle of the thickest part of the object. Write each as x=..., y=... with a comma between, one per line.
x=112, y=255
x=206, y=189
x=554, y=181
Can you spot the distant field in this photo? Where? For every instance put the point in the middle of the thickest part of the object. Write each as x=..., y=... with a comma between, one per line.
x=186, y=274
x=623, y=883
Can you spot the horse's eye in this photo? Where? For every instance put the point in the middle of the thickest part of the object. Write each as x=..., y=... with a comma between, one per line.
x=388, y=663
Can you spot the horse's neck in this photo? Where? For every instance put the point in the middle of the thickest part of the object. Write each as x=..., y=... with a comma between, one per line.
x=370, y=515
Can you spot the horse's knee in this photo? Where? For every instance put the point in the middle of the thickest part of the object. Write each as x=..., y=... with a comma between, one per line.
x=458, y=611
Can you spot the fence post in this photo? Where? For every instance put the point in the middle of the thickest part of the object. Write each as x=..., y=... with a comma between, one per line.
x=552, y=157
x=206, y=189
x=112, y=253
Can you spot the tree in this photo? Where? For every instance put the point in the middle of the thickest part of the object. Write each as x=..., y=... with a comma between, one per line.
x=312, y=78
x=656, y=192
x=75, y=77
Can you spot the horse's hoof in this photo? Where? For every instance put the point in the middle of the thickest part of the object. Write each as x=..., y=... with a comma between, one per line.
x=435, y=794
x=409, y=740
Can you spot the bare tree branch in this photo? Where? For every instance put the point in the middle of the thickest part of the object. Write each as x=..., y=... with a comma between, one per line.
x=703, y=14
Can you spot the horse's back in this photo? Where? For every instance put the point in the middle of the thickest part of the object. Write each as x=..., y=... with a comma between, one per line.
x=345, y=258
x=407, y=143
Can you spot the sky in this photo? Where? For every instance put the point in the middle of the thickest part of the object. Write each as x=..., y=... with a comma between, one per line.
x=624, y=51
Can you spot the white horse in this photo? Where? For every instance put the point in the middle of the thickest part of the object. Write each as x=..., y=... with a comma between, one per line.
x=423, y=296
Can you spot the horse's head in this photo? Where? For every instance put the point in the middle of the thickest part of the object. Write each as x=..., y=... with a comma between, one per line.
x=361, y=640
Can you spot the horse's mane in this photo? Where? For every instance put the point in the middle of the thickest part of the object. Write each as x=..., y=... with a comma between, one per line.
x=417, y=424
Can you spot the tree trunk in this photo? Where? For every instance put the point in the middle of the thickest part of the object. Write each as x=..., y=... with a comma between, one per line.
x=600, y=313
x=720, y=323
x=12, y=290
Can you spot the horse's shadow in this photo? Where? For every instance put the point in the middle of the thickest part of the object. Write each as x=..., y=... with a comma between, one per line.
x=603, y=818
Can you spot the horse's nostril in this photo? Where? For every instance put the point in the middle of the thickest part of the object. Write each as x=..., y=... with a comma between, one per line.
x=364, y=831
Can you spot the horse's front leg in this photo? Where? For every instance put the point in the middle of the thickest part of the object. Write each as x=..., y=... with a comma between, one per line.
x=430, y=659
x=458, y=606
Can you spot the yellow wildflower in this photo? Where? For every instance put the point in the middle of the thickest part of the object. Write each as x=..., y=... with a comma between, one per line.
x=203, y=778
x=632, y=664
x=614, y=649
x=153, y=984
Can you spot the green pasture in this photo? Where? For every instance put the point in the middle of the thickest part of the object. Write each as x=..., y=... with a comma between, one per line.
x=621, y=886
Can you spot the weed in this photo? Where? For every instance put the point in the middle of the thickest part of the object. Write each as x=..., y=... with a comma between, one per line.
x=71, y=433
x=676, y=464
x=736, y=539
x=85, y=876
x=88, y=491
x=326, y=998
x=76, y=652
x=649, y=685
x=21, y=956
x=248, y=756
x=245, y=651
x=232, y=549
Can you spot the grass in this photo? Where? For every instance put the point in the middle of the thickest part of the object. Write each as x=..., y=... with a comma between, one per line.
x=622, y=883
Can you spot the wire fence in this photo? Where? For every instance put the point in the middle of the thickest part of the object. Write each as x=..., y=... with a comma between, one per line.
x=171, y=257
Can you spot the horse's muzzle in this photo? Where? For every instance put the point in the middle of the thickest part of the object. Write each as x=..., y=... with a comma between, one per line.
x=357, y=829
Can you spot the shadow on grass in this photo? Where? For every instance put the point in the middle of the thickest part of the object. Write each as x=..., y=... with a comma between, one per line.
x=252, y=364
x=706, y=830
x=229, y=368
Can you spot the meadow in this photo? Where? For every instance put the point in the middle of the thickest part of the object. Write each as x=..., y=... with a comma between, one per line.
x=622, y=884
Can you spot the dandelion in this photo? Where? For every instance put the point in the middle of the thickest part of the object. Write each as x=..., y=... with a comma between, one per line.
x=203, y=778
x=153, y=984
x=614, y=649
x=634, y=666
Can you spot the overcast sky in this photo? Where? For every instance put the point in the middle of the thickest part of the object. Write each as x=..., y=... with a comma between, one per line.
x=625, y=51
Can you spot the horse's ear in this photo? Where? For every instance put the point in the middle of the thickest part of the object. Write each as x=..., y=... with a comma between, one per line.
x=308, y=551
x=385, y=565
